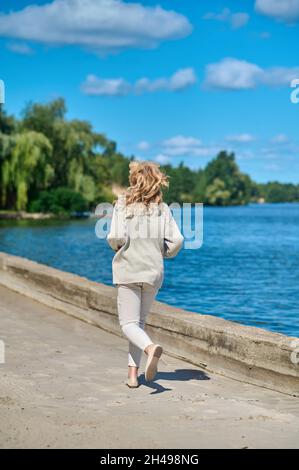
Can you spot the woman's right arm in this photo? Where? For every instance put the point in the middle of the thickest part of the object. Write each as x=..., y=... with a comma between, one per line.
x=173, y=239
x=117, y=234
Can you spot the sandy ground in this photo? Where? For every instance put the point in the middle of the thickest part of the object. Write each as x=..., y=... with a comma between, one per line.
x=63, y=386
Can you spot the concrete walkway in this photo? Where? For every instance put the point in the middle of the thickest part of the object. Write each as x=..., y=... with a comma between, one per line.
x=62, y=386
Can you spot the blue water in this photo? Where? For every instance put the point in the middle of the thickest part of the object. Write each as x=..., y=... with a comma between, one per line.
x=247, y=269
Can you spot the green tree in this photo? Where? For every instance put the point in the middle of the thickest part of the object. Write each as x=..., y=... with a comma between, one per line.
x=60, y=201
x=26, y=167
x=8, y=124
x=74, y=142
x=182, y=181
x=217, y=193
x=279, y=192
x=225, y=168
x=46, y=151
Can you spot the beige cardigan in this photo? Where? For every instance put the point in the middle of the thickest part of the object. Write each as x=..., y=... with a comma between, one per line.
x=141, y=239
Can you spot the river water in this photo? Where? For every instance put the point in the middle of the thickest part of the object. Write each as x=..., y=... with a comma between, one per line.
x=247, y=269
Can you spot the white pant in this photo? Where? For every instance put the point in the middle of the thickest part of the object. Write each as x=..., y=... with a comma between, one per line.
x=133, y=304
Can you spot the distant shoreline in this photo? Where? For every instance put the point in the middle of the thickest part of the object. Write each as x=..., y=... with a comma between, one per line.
x=23, y=215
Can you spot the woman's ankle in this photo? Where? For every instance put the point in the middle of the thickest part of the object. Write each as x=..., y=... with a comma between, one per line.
x=148, y=348
x=132, y=371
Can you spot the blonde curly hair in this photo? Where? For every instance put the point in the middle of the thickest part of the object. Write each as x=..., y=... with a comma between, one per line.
x=146, y=181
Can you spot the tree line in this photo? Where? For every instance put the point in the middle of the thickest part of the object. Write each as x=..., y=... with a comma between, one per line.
x=51, y=164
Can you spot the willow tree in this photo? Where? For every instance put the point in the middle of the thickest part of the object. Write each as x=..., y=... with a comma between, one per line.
x=26, y=167
x=83, y=160
x=79, y=146
x=7, y=143
x=74, y=142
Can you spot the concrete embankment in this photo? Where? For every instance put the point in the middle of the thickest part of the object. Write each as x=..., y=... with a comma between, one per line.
x=244, y=353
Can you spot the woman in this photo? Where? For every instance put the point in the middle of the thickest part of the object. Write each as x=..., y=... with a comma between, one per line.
x=142, y=233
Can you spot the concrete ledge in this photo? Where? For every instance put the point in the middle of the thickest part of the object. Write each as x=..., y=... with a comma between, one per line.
x=241, y=352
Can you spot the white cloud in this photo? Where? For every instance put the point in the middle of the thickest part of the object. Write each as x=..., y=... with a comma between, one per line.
x=20, y=48
x=232, y=74
x=206, y=151
x=239, y=19
x=143, y=145
x=181, y=141
x=272, y=167
x=144, y=85
x=139, y=158
x=244, y=154
x=279, y=76
x=235, y=74
x=269, y=153
x=180, y=80
x=181, y=145
x=105, y=87
x=280, y=139
x=100, y=25
x=265, y=35
x=163, y=159
x=281, y=147
x=240, y=138
x=236, y=20
x=282, y=10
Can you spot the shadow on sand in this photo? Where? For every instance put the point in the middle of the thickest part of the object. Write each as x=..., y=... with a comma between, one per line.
x=181, y=375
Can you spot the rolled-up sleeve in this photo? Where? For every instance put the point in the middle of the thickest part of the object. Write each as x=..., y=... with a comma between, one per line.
x=117, y=235
x=173, y=239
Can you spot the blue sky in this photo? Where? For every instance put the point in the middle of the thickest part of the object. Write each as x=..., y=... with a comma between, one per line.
x=171, y=81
